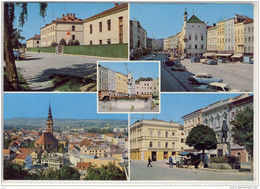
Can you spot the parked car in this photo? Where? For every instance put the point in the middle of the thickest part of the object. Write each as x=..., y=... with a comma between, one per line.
x=204, y=78
x=204, y=61
x=170, y=62
x=195, y=59
x=178, y=67
x=155, y=101
x=212, y=62
x=215, y=87
x=149, y=57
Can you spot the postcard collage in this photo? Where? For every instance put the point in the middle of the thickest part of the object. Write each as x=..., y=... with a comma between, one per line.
x=130, y=93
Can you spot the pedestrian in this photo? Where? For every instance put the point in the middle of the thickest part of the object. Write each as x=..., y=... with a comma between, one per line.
x=149, y=162
x=170, y=162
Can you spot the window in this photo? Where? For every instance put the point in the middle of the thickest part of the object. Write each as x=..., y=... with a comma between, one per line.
x=90, y=28
x=196, y=38
x=109, y=41
x=189, y=46
x=195, y=46
x=108, y=25
x=73, y=28
x=151, y=133
x=90, y=42
x=100, y=26
x=37, y=42
x=159, y=144
x=190, y=37
x=173, y=133
x=159, y=133
x=73, y=37
x=100, y=42
x=173, y=144
x=201, y=38
x=151, y=144
x=166, y=134
x=166, y=144
x=201, y=46
x=120, y=21
x=182, y=140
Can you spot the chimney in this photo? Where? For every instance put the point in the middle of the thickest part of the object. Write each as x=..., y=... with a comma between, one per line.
x=236, y=18
x=74, y=16
x=214, y=24
x=57, y=18
x=67, y=14
x=116, y=4
x=62, y=15
x=70, y=14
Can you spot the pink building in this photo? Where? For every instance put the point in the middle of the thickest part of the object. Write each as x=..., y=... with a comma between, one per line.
x=144, y=87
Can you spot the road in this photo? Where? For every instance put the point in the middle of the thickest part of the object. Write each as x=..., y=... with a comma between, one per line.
x=237, y=75
x=161, y=171
x=37, y=68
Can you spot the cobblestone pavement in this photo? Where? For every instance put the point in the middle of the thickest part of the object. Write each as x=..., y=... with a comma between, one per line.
x=161, y=171
x=37, y=68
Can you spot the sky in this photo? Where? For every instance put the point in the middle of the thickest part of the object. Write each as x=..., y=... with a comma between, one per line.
x=63, y=105
x=54, y=10
x=165, y=20
x=138, y=69
x=174, y=106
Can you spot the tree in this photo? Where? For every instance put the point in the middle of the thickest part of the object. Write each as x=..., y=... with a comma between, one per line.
x=63, y=42
x=64, y=173
x=54, y=44
x=14, y=172
x=202, y=138
x=16, y=37
x=76, y=42
x=9, y=8
x=243, y=129
x=71, y=42
x=106, y=172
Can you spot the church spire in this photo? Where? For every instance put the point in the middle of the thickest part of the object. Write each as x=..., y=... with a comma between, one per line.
x=50, y=121
x=50, y=115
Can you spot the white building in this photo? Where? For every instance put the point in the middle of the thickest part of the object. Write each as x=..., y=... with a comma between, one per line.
x=111, y=81
x=35, y=41
x=229, y=35
x=130, y=84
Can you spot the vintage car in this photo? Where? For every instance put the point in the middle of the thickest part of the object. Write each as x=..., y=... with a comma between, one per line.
x=204, y=61
x=195, y=59
x=215, y=87
x=212, y=62
x=178, y=67
x=204, y=78
x=170, y=62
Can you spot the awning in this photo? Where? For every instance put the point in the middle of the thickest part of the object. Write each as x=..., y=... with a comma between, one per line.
x=208, y=54
x=222, y=54
x=237, y=56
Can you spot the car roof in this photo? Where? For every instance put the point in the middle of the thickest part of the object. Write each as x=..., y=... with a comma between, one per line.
x=203, y=74
x=219, y=84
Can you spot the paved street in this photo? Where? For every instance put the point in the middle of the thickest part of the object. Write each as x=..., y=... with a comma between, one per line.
x=237, y=75
x=161, y=171
x=37, y=68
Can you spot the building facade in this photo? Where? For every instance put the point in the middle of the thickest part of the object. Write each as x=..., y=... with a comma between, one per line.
x=154, y=138
x=111, y=81
x=212, y=38
x=35, y=41
x=138, y=35
x=229, y=35
x=69, y=27
x=121, y=84
x=108, y=27
x=249, y=39
x=144, y=87
x=103, y=78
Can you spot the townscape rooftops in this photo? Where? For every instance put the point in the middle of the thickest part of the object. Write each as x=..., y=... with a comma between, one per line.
x=46, y=138
x=83, y=165
x=21, y=156
x=25, y=150
x=247, y=21
x=194, y=19
x=116, y=8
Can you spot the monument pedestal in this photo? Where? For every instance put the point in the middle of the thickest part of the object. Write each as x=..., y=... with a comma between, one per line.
x=223, y=149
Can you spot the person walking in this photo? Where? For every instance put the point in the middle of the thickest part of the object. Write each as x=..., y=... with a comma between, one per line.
x=149, y=162
x=170, y=162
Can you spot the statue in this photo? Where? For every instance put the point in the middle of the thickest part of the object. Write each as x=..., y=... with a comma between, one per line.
x=224, y=131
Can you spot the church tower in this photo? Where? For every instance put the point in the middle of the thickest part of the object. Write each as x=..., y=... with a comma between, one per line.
x=50, y=121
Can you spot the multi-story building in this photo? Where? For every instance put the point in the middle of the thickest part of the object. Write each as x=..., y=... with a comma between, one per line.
x=103, y=78
x=239, y=38
x=108, y=27
x=111, y=81
x=144, y=87
x=138, y=35
x=156, y=87
x=249, y=40
x=68, y=27
x=93, y=151
x=35, y=41
x=212, y=39
x=229, y=35
x=157, y=44
x=149, y=43
x=121, y=83
x=166, y=44
x=221, y=35
x=155, y=138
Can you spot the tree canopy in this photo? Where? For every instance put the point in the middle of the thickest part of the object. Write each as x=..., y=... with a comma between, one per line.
x=243, y=128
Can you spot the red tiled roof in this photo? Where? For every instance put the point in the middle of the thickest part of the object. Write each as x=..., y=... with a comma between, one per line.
x=6, y=151
x=46, y=138
x=247, y=21
x=20, y=156
x=116, y=8
x=83, y=165
x=85, y=142
x=25, y=151
x=35, y=37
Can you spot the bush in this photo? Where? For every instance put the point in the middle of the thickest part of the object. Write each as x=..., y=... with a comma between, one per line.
x=231, y=159
x=76, y=42
x=71, y=42
x=54, y=44
x=63, y=42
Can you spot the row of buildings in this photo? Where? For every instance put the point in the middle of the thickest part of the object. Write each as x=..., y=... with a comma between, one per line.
x=160, y=139
x=108, y=27
x=119, y=84
x=36, y=151
x=231, y=39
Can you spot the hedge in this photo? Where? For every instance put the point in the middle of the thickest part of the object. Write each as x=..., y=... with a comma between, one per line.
x=43, y=49
x=112, y=50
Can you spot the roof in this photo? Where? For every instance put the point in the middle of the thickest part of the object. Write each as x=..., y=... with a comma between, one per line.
x=109, y=134
x=85, y=142
x=25, y=151
x=194, y=19
x=69, y=18
x=46, y=138
x=192, y=112
x=116, y=8
x=83, y=165
x=247, y=21
x=35, y=37
x=21, y=156
x=6, y=151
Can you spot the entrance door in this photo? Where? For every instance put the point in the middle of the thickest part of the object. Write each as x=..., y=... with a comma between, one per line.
x=153, y=156
x=165, y=155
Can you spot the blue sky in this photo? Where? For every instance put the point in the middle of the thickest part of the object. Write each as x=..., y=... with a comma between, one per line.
x=174, y=106
x=54, y=10
x=138, y=69
x=164, y=20
x=66, y=105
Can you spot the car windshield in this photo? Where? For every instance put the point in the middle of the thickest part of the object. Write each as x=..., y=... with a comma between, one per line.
x=227, y=88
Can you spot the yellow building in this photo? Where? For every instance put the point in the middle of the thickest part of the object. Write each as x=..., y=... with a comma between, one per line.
x=239, y=37
x=121, y=83
x=101, y=161
x=59, y=28
x=212, y=38
x=35, y=41
x=166, y=44
x=19, y=159
x=155, y=138
x=94, y=151
x=221, y=36
x=108, y=27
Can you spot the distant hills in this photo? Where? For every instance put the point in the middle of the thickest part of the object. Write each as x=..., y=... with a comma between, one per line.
x=30, y=123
